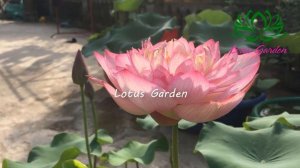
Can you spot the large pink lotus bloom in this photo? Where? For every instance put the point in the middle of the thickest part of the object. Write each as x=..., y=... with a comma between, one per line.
x=214, y=84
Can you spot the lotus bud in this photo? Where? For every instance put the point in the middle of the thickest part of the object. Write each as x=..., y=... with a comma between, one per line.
x=79, y=72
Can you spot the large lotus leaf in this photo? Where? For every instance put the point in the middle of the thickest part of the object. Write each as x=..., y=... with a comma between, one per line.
x=73, y=164
x=291, y=41
x=228, y=147
x=127, y=5
x=202, y=31
x=138, y=152
x=121, y=39
x=286, y=119
x=64, y=146
x=151, y=19
x=213, y=17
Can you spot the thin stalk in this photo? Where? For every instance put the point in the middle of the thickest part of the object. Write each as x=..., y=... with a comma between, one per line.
x=137, y=165
x=85, y=125
x=174, y=147
x=126, y=165
x=95, y=126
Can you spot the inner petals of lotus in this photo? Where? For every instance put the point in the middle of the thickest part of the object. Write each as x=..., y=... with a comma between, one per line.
x=177, y=80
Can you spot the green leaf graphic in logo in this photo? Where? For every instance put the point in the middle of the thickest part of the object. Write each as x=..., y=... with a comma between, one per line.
x=258, y=26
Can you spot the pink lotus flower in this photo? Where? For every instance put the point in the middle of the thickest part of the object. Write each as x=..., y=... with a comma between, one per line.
x=213, y=85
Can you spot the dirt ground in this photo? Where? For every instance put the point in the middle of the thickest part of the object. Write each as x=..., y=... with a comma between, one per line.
x=38, y=98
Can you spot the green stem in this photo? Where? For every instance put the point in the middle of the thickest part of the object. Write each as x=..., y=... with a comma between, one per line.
x=126, y=165
x=137, y=165
x=95, y=126
x=174, y=147
x=85, y=125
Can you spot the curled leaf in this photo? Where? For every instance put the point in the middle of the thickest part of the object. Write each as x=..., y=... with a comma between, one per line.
x=138, y=152
x=147, y=123
x=289, y=120
x=183, y=124
x=73, y=164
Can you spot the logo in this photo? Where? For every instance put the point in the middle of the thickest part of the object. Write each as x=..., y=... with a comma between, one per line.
x=259, y=26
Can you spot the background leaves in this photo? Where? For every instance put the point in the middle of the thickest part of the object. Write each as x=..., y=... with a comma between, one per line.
x=64, y=146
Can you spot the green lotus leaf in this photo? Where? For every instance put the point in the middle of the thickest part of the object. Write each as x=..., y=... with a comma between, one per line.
x=228, y=147
x=201, y=32
x=151, y=19
x=291, y=41
x=183, y=124
x=190, y=18
x=140, y=28
x=64, y=146
x=127, y=5
x=212, y=17
x=49, y=158
x=138, y=152
x=147, y=123
x=286, y=119
x=103, y=137
x=73, y=164
x=265, y=84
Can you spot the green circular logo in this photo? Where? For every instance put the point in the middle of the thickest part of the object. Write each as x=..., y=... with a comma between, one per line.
x=259, y=26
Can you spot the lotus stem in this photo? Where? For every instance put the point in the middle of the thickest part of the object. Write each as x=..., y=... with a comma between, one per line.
x=174, y=147
x=126, y=165
x=85, y=125
x=137, y=165
x=95, y=126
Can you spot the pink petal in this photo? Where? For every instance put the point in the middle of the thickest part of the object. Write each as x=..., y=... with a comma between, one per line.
x=213, y=48
x=175, y=62
x=163, y=120
x=246, y=75
x=236, y=77
x=124, y=103
x=107, y=63
x=208, y=111
x=229, y=104
x=184, y=67
x=122, y=61
x=132, y=82
x=140, y=63
x=226, y=60
x=211, y=110
x=247, y=59
x=193, y=83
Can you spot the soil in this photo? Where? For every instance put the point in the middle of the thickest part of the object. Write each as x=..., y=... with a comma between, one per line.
x=39, y=100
